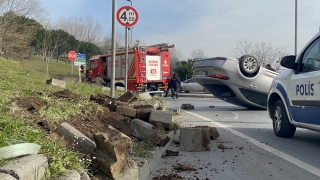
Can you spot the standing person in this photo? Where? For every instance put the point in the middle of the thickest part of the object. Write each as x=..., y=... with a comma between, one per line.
x=174, y=84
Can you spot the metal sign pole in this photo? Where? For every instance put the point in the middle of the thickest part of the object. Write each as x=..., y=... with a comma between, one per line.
x=126, y=60
x=71, y=71
x=113, y=53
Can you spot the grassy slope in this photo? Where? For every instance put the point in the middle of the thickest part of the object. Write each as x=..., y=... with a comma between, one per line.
x=61, y=68
x=17, y=81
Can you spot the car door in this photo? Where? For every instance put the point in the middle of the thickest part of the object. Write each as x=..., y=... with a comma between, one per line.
x=304, y=86
x=189, y=85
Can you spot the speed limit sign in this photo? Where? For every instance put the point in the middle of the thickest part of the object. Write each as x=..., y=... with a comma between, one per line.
x=127, y=16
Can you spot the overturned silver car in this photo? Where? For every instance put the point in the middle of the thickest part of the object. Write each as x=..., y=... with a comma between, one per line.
x=238, y=81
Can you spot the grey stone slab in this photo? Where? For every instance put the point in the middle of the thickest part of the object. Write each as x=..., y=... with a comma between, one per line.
x=161, y=116
x=26, y=168
x=141, y=130
x=74, y=135
x=70, y=175
x=6, y=177
x=57, y=82
x=191, y=139
x=145, y=95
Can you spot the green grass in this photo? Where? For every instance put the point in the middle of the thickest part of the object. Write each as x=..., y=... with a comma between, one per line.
x=18, y=80
x=56, y=69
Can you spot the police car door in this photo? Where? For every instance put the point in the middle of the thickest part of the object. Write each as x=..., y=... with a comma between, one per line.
x=304, y=86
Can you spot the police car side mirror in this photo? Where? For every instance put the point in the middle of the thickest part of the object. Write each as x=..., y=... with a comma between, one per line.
x=288, y=62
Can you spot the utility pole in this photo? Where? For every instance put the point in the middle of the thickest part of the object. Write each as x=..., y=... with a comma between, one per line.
x=113, y=53
x=126, y=60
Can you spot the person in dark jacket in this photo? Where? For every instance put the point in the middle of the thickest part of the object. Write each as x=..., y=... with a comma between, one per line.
x=174, y=84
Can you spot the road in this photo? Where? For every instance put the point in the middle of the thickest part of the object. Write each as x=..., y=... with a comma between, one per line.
x=253, y=151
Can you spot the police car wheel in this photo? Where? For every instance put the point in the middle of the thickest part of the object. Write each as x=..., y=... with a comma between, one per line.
x=249, y=65
x=281, y=124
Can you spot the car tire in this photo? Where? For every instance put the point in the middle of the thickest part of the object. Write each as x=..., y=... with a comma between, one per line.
x=281, y=125
x=186, y=91
x=249, y=65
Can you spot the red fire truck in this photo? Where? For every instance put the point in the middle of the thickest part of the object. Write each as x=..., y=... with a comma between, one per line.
x=147, y=66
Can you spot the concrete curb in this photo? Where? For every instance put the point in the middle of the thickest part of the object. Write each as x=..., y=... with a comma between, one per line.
x=75, y=136
x=28, y=167
x=146, y=170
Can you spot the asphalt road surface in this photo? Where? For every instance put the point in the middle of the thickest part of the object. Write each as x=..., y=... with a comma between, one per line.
x=252, y=150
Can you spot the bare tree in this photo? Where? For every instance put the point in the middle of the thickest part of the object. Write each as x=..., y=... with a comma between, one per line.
x=243, y=48
x=197, y=54
x=264, y=52
x=106, y=43
x=9, y=10
x=175, y=55
x=87, y=30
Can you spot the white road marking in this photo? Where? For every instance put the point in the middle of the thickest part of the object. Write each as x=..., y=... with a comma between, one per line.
x=293, y=160
x=236, y=117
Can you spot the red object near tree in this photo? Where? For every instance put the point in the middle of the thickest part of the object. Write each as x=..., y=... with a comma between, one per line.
x=72, y=55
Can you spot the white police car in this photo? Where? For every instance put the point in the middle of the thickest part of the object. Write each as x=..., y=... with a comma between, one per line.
x=294, y=96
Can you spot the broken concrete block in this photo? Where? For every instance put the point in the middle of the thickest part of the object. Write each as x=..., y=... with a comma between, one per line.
x=190, y=107
x=161, y=116
x=144, y=113
x=112, y=151
x=57, y=82
x=142, y=105
x=194, y=139
x=115, y=104
x=27, y=167
x=145, y=95
x=141, y=130
x=177, y=110
x=176, y=137
x=6, y=177
x=128, y=97
x=73, y=135
x=126, y=111
x=214, y=134
x=184, y=106
x=159, y=139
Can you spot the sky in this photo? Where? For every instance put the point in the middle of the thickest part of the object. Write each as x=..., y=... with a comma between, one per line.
x=213, y=26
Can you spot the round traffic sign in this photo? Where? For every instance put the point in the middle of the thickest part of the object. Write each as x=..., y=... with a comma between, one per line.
x=127, y=16
x=72, y=55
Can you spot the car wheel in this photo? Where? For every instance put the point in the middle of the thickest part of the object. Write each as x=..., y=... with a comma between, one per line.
x=280, y=121
x=186, y=91
x=249, y=65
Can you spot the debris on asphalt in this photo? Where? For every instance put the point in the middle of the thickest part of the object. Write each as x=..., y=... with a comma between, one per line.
x=172, y=153
x=183, y=167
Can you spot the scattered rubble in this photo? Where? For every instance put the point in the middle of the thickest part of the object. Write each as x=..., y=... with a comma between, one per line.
x=194, y=138
x=187, y=106
x=172, y=153
x=120, y=121
x=183, y=167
